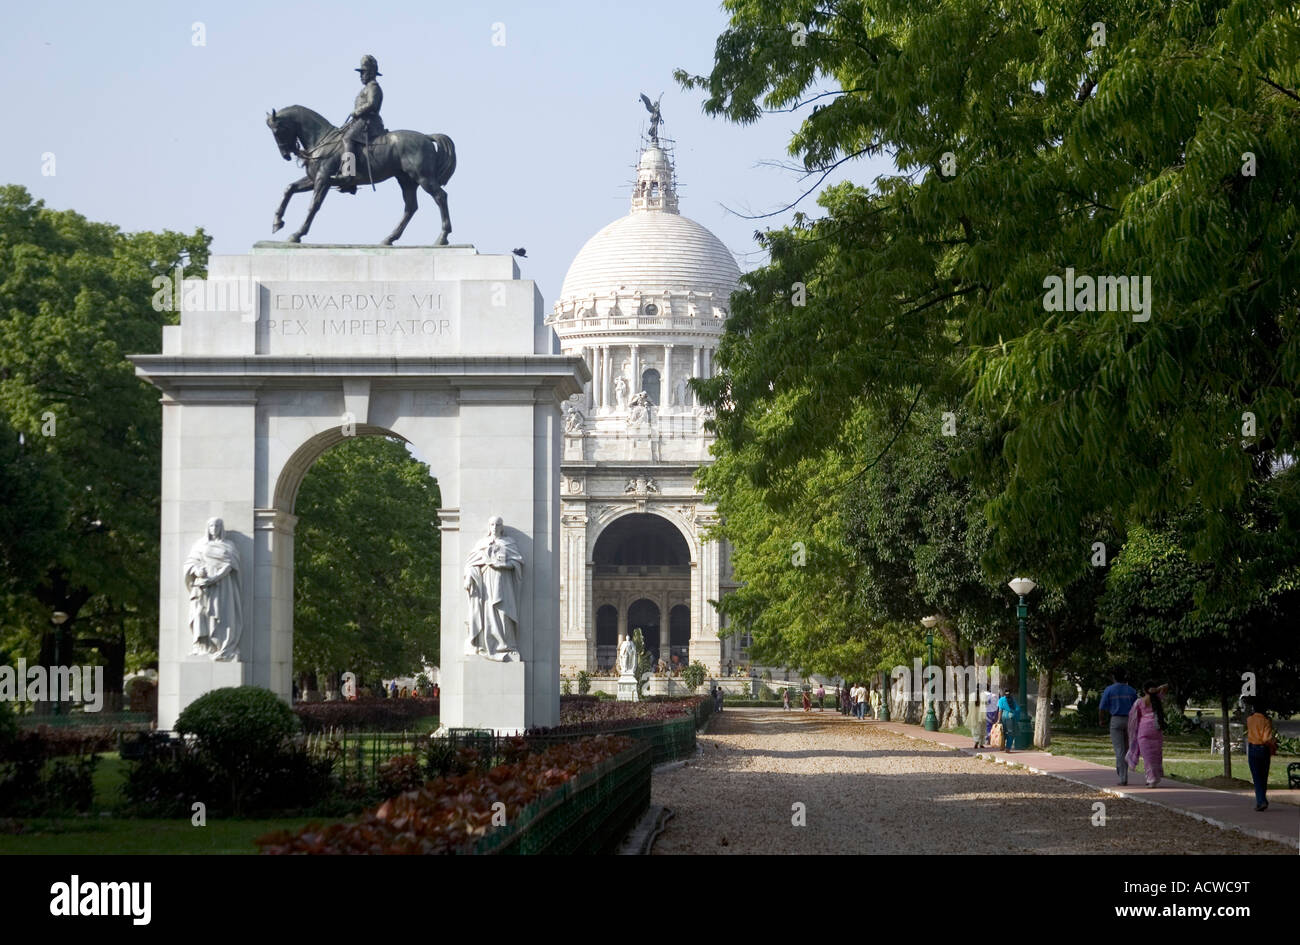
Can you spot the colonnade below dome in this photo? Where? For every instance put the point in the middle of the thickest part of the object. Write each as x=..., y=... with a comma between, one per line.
x=661, y=370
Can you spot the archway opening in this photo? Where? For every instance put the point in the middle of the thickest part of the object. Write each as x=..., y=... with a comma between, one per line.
x=366, y=570
x=606, y=636
x=650, y=384
x=644, y=614
x=641, y=566
x=679, y=634
x=642, y=542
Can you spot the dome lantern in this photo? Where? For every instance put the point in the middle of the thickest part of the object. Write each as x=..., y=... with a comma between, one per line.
x=656, y=186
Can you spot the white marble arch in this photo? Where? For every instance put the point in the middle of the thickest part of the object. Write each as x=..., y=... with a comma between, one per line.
x=248, y=405
x=703, y=617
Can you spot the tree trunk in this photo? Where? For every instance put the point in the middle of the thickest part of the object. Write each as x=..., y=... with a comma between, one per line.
x=1227, y=736
x=1043, y=715
x=46, y=659
x=113, y=650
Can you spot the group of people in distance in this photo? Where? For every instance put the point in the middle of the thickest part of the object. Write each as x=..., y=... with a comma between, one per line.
x=1136, y=733
x=1137, y=721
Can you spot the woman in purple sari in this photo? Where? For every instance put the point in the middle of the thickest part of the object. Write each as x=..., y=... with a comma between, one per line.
x=1145, y=739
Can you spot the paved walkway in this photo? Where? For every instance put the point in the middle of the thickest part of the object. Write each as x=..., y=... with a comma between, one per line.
x=1230, y=809
x=768, y=781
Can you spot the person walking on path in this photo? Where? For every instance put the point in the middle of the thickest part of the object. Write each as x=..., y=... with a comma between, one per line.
x=978, y=716
x=1007, y=716
x=1117, y=699
x=874, y=700
x=1261, y=743
x=807, y=701
x=860, y=701
x=785, y=698
x=1145, y=738
x=821, y=697
x=990, y=713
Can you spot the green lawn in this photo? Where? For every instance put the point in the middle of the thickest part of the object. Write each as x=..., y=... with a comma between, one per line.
x=1187, y=758
x=95, y=835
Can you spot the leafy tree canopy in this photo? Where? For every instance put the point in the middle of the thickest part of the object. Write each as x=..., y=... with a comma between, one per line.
x=366, y=561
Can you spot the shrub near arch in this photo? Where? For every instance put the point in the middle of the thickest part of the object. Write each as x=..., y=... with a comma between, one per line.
x=242, y=733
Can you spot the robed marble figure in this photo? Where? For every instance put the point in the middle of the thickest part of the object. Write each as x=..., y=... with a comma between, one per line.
x=212, y=578
x=493, y=575
x=627, y=657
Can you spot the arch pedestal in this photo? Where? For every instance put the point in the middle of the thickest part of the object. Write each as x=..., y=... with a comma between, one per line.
x=286, y=351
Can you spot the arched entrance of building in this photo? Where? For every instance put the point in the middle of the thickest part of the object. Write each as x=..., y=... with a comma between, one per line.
x=641, y=570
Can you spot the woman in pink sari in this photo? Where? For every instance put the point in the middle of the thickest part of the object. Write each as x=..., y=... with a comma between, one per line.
x=1145, y=739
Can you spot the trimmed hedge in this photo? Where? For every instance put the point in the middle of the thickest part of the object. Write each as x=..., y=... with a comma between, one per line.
x=366, y=715
x=46, y=774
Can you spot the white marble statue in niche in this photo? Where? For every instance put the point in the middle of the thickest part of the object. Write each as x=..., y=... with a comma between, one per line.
x=681, y=393
x=493, y=575
x=639, y=409
x=572, y=418
x=212, y=576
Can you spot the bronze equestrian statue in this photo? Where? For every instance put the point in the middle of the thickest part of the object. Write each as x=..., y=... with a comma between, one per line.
x=362, y=151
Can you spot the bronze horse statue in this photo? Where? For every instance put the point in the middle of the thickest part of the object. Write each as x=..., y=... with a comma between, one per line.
x=414, y=159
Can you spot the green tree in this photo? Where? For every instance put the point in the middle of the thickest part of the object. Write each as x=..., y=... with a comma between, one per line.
x=1027, y=144
x=1158, y=620
x=82, y=533
x=366, y=561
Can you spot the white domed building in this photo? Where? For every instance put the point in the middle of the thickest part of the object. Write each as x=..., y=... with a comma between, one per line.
x=644, y=303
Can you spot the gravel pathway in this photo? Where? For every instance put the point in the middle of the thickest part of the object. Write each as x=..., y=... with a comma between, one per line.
x=870, y=791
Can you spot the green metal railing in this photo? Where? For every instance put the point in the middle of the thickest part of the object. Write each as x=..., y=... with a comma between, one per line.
x=590, y=813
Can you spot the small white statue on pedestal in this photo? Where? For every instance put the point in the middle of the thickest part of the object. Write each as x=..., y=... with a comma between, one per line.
x=627, y=678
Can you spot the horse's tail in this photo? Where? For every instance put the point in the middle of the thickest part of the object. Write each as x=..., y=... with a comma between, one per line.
x=447, y=155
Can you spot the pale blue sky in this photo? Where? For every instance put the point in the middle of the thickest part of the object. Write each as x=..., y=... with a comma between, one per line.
x=150, y=131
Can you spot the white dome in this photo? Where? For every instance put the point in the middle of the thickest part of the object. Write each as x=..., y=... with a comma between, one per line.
x=650, y=252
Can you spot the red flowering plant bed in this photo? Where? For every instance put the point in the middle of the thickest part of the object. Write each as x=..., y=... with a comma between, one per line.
x=451, y=814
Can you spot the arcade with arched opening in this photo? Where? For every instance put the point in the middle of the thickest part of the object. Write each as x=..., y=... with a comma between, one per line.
x=641, y=578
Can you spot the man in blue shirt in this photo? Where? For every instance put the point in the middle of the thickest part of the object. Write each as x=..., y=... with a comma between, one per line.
x=1117, y=699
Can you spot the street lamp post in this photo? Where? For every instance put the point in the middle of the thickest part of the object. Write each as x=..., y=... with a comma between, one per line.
x=931, y=723
x=58, y=618
x=1022, y=587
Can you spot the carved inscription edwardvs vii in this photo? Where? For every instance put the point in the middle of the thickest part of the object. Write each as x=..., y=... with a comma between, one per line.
x=322, y=318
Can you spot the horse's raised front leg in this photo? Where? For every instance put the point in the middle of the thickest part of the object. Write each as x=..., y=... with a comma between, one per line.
x=322, y=186
x=411, y=205
x=297, y=187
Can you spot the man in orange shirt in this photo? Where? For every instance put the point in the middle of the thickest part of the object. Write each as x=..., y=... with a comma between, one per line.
x=1261, y=742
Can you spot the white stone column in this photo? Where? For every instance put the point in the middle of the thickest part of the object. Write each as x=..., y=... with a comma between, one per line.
x=706, y=366
x=589, y=355
x=709, y=645
x=696, y=360
x=575, y=592
x=665, y=630
x=635, y=379
x=666, y=382
x=606, y=379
